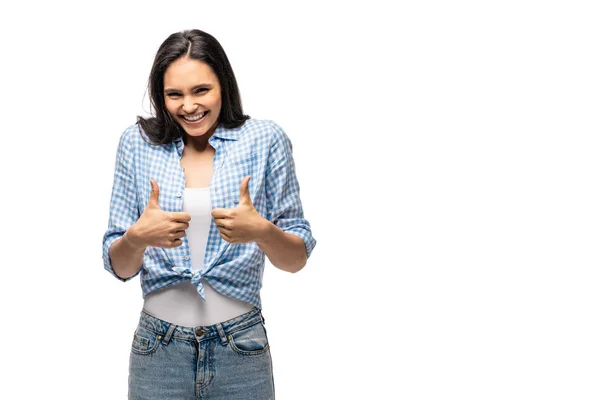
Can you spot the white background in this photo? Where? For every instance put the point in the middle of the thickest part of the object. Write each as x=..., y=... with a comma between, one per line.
x=447, y=154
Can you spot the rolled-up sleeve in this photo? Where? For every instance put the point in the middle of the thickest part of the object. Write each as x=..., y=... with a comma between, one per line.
x=284, y=207
x=123, y=210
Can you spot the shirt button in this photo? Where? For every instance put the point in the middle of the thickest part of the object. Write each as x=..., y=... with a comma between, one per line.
x=178, y=195
x=186, y=258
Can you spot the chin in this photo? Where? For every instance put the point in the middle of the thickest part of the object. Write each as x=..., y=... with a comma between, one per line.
x=196, y=133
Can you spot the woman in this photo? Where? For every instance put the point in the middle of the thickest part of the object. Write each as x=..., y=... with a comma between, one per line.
x=201, y=194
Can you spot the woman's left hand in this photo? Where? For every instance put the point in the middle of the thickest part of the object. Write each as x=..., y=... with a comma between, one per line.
x=243, y=223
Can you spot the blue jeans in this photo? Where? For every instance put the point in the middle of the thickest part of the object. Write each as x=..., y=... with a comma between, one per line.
x=229, y=360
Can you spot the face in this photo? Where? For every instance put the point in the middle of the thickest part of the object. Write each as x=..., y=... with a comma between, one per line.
x=193, y=96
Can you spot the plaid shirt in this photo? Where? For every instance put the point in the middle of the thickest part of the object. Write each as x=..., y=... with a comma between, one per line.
x=259, y=148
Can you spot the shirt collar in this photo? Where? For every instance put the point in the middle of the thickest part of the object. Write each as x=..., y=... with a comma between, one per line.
x=221, y=132
x=224, y=133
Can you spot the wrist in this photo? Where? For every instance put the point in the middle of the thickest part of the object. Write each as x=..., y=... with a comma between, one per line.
x=265, y=231
x=133, y=241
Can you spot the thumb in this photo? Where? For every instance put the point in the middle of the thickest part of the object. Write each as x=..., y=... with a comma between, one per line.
x=154, y=194
x=244, y=192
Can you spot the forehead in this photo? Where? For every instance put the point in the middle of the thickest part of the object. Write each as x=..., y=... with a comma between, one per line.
x=186, y=72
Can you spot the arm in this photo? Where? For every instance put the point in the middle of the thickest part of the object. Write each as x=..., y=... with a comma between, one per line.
x=127, y=258
x=285, y=250
x=122, y=258
x=286, y=235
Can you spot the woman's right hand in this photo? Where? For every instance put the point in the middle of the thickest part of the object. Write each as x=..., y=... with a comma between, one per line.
x=156, y=227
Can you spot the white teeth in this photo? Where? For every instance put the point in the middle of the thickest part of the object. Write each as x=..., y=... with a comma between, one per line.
x=195, y=118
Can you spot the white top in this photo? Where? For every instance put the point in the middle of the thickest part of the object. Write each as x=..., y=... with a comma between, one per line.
x=181, y=304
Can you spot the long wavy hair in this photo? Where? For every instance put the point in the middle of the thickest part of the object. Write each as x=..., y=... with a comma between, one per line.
x=198, y=45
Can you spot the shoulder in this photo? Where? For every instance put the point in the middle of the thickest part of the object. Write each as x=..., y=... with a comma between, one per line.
x=134, y=137
x=265, y=130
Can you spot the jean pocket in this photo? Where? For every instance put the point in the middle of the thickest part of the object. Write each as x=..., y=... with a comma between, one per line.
x=249, y=341
x=145, y=341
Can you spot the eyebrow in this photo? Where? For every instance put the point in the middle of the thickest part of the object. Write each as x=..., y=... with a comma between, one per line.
x=202, y=85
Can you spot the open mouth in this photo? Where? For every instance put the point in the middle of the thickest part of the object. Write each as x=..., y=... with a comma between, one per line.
x=194, y=119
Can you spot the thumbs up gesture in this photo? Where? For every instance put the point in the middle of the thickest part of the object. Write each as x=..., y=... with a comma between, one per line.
x=156, y=227
x=241, y=224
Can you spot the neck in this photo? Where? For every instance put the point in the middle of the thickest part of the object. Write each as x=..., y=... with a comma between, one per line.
x=196, y=144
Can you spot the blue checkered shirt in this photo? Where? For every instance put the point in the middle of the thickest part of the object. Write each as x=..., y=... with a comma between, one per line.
x=259, y=148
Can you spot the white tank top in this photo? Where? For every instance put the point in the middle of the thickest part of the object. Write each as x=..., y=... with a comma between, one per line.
x=181, y=304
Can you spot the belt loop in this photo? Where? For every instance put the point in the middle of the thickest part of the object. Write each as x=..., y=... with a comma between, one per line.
x=170, y=331
x=222, y=334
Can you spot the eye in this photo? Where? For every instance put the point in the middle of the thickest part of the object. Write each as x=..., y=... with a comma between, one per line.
x=173, y=94
x=201, y=90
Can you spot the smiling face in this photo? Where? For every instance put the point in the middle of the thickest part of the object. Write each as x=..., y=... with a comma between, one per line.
x=193, y=96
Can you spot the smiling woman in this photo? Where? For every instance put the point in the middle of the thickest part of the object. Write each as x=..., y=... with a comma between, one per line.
x=195, y=106
x=219, y=192
x=190, y=72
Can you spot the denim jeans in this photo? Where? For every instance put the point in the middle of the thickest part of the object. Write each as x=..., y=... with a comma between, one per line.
x=229, y=360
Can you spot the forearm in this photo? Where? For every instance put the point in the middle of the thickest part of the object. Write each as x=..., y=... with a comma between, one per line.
x=126, y=257
x=285, y=250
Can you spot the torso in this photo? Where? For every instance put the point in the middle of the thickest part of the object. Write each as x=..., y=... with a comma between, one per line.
x=198, y=168
x=180, y=304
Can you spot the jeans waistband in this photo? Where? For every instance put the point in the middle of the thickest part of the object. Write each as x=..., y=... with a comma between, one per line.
x=220, y=330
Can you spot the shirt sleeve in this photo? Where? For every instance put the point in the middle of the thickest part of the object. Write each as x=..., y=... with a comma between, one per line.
x=284, y=207
x=123, y=210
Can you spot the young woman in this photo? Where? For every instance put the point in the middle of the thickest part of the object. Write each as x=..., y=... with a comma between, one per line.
x=201, y=194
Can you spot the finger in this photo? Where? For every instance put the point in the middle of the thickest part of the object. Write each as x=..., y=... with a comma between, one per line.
x=220, y=222
x=181, y=226
x=153, y=201
x=181, y=217
x=174, y=243
x=177, y=235
x=225, y=236
x=225, y=229
x=244, y=192
x=220, y=213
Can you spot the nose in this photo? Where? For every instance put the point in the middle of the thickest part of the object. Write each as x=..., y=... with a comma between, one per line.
x=188, y=105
